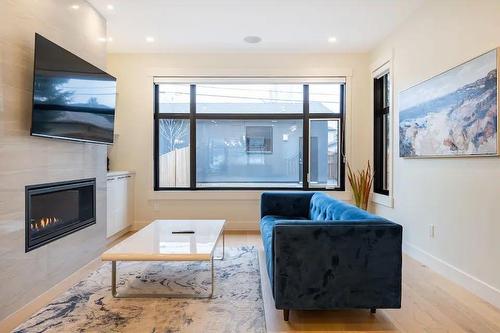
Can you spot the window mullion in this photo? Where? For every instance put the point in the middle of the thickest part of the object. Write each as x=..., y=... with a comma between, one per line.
x=341, y=149
x=192, y=137
x=305, y=139
x=325, y=116
x=156, y=139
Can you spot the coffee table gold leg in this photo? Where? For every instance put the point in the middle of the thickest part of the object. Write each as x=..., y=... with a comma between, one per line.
x=113, y=278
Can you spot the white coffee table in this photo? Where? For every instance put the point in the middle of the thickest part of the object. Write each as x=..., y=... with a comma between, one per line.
x=169, y=240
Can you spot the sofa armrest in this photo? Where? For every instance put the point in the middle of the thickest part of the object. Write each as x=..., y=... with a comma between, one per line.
x=341, y=264
x=289, y=204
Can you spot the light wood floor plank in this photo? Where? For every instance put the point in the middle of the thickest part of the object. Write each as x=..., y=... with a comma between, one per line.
x=430, y=304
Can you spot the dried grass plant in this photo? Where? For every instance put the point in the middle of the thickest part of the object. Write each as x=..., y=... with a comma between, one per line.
x=361, y=184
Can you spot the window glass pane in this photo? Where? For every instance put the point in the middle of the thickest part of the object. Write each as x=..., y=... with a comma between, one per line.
x=324, y=146
x=174, y=98
x=386, y=90
x=249, y=98
x=324, y=98
x=174, y=153
x=248, y=153
x=386, y=134
x=382, y=151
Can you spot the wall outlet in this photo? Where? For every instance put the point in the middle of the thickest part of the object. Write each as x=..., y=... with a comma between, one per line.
x=156, y=206
x=431, y=231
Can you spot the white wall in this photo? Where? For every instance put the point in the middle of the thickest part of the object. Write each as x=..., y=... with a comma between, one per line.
x=134, y=146
x=460, y=196
x=28, y=160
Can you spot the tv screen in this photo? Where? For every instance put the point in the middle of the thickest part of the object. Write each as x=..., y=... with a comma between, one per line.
x=72, y=99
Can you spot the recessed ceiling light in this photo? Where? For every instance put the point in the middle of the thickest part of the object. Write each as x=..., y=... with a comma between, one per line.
x=110, y=7
x=150, y=39
x=252, y=39
x=75, y=7
x=332, y=39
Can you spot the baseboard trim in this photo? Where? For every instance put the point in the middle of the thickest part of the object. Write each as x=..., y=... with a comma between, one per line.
x=18, y=317
x=119, y=234
x=138, y=225
x=480, y=288
x=230, y=225
x=243, y=226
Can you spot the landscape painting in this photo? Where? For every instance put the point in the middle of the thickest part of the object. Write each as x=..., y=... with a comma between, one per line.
x=452, y=114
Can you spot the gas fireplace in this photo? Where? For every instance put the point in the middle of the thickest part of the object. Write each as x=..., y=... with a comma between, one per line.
x=58, y=209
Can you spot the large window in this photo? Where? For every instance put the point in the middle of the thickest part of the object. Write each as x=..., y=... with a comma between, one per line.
x=249, y=136
x=381, y=130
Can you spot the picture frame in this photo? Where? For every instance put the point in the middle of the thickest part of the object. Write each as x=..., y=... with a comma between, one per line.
x=453, y=114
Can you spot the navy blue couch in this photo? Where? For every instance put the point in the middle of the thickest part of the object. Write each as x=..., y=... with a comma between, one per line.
x=322, y=253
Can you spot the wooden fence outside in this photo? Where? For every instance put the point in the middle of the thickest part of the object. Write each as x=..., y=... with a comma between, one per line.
x=174, y=168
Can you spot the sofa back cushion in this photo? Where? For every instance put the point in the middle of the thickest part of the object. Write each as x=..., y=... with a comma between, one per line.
x=318, y=210
x=326, y=208
x=286, y=204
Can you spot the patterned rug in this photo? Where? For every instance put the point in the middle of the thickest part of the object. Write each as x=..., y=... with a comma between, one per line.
x=89, y=307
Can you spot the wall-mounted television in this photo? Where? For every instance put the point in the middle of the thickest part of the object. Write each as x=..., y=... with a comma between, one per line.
x=72, y=99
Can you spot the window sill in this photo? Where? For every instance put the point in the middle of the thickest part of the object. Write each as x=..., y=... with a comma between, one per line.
x=228, y=195
x=384, y=200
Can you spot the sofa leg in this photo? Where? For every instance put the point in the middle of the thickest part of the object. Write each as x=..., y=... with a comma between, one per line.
x=373, y=310
x=286, y=314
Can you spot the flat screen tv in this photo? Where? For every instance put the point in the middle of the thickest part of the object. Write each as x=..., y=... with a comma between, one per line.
x=72, y=99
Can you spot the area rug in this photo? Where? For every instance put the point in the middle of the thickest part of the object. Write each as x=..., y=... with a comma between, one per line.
x=88, y=306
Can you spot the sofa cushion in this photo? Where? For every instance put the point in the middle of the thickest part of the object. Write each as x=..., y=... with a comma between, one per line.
x=318, y=208
x=341, y=211
x=354, y=213
x=290, y=204
x=325, y=208
x=266, y=230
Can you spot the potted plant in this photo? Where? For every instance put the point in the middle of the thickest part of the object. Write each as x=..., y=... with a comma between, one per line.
x=361, y=184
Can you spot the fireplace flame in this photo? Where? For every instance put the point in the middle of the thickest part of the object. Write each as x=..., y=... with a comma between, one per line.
x=44, y=222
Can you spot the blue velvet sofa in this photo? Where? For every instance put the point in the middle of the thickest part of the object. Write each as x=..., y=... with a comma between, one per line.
x=322, y=253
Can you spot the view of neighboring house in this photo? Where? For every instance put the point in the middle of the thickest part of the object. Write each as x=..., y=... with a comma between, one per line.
x=248, y=152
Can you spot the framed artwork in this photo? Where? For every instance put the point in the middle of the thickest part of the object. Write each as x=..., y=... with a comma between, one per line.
x=452, y=114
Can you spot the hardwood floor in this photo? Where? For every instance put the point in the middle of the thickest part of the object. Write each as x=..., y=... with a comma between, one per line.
x=431, y=304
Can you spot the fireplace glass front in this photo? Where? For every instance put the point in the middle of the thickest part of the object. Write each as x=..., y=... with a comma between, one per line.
x=58, y=209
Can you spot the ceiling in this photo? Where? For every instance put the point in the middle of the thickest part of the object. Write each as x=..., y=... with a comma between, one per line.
x=211, y=26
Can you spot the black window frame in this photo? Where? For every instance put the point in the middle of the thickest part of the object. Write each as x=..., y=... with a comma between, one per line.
x=381, y=110
x=305, y=116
